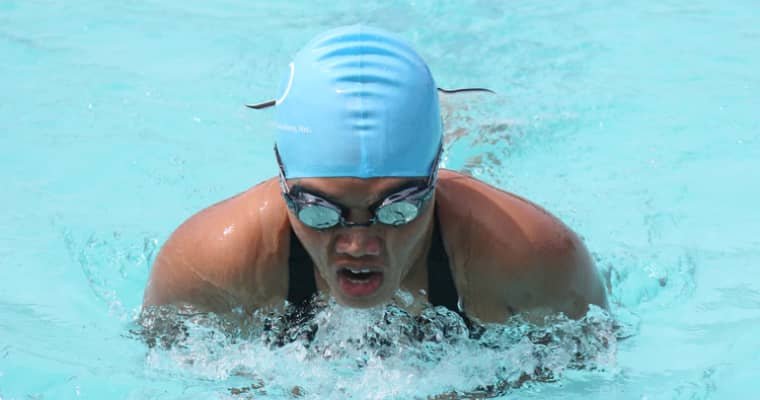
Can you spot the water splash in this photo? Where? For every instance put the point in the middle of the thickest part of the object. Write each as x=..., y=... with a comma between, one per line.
x=114, y=264
x=638, y=277
x=383, y=352
x=479, y=140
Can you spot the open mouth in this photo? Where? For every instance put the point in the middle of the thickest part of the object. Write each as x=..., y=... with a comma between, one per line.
x=359, y=282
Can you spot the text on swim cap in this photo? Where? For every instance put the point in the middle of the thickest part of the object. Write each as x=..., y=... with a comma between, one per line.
x=293, y=128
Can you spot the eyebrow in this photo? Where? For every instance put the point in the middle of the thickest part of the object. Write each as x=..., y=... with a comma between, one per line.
x=296, y=188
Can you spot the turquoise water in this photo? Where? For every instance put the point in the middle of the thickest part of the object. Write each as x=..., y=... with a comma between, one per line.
x=631, y=121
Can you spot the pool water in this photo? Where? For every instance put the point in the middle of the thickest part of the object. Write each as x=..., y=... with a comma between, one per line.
x=634, y=122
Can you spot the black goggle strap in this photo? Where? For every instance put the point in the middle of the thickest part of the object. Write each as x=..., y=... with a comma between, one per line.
x=308, y=199
x=272, y=103
x=417, y=194
x=411, y=193
x=318, y=201
x=433, y=175
x=283, y=185
x=461, y=90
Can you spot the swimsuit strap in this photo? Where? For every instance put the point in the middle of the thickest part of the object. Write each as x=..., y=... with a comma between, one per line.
x=441, y=288
x=301, y=284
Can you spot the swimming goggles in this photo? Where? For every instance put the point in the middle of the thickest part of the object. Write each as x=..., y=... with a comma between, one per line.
x=396, y=209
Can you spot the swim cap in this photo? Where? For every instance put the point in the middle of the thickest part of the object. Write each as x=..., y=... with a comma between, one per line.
x=357, y=102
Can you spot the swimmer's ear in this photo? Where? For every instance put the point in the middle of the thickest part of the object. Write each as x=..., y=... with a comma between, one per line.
x=260, y=106
x=450, y=91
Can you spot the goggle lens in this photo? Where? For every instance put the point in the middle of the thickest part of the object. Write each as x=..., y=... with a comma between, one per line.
x=397, y=209
x=318, y=213
x=398, y=213
x=319, y=217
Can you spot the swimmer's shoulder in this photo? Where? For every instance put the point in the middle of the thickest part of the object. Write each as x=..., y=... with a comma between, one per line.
x=506, y=248
x=228, y=255
x=509, y=223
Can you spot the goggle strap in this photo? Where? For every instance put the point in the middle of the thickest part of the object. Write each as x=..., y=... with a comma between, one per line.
x=283, y=185
x=293, y=204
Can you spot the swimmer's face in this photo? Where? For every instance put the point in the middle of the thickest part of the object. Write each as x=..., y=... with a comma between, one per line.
x=363, y=266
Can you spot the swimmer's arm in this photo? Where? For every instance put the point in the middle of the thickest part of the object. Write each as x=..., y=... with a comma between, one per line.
x=179, y=288
x=198, y=264
x=178, y=278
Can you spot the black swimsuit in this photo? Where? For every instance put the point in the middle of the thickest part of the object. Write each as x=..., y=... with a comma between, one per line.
x=441, y=289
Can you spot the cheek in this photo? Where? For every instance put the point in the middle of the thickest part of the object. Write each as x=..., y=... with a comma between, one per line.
x=399, y=242
x=402, y=242
x=315, y=242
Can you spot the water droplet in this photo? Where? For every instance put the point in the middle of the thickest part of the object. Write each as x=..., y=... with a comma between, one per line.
x=406, y=298
x=228, y=230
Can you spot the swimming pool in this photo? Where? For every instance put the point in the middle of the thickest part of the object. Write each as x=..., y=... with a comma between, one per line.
x=635, y=123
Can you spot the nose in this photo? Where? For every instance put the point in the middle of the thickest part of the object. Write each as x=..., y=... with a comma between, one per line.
x=357, y=242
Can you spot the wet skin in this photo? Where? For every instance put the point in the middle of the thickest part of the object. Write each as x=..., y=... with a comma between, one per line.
x=506, y=254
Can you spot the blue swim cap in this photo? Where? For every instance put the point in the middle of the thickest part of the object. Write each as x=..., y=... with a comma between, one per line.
x=357, y=102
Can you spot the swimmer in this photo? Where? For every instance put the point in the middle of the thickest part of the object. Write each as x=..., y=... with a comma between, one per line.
x=360, y=210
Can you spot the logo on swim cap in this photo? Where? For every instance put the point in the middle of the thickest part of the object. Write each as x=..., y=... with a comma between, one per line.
x=288, y=85
x=357, y=102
